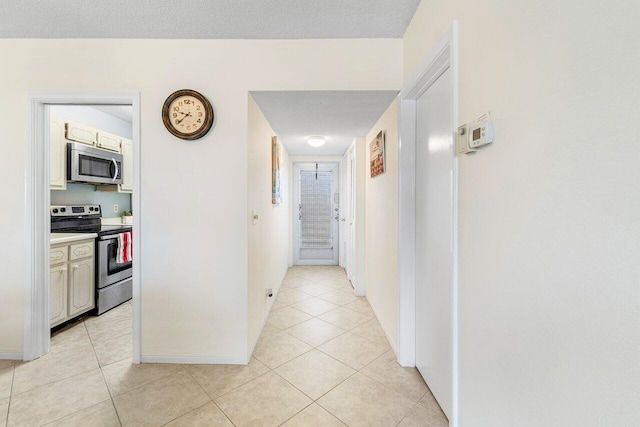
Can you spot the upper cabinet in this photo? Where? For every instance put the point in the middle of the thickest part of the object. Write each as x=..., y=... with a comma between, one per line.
x=107, y=141
x=127, y=166
x=62, y=131
x=57, y=154
x=81, y=133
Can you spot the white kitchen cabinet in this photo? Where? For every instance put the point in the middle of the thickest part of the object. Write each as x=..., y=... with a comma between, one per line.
x=108, y=141
x=126, y=148
x=127, y=166
x=81, y=133
x=81, y=286
x=58, y=294
x=57, y=154
x=72, y=280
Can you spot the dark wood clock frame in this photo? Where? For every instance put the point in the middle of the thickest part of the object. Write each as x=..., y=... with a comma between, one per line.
x=166, y=115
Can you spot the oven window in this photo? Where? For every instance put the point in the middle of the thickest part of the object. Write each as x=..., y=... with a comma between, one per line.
x=93, y=166
x=112, y=266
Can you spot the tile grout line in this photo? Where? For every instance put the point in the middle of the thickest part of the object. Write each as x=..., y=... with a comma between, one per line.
x=104, y=378
x=13, y=376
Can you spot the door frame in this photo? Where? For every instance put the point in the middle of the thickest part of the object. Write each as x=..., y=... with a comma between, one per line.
x=295, y=187
x=442, y=57
x=36, y=333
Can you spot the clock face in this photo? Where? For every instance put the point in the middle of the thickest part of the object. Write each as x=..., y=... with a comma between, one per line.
x=187, y=114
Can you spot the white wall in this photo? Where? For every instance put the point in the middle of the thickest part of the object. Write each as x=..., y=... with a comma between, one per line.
x=381, y=227
x=550, y=213
x=269, y=237
x=359, y=271
x=194, y=273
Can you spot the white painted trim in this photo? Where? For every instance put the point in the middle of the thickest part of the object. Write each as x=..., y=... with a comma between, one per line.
x=442, y=57
x=195, y=360
x=37, y=195
x=11, y=356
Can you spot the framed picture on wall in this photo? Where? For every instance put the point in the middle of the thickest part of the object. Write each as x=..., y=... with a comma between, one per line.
x=376, y=150
x=276, y=171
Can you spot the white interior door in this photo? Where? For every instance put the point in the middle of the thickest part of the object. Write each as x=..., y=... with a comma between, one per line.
x=316, y=214
x=434, y=238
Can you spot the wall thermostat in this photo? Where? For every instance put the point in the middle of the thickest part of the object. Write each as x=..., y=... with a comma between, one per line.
x=480, y=133
x=463, y=141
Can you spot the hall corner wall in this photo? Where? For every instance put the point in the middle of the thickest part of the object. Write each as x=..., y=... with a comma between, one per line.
x=269, y=238
x=381, y=226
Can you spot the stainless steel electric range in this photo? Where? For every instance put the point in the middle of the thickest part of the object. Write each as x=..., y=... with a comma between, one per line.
x=114, y=283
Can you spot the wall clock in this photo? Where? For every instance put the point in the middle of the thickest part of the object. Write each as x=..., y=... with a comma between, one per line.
x=187, y=114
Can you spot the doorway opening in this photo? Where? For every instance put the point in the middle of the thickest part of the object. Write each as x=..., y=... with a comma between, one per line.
x=316, y=205
x=83, y=174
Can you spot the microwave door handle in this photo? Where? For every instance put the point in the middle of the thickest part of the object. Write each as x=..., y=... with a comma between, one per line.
x=115, y=175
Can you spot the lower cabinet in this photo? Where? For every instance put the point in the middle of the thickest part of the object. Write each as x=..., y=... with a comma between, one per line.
x=72, y=290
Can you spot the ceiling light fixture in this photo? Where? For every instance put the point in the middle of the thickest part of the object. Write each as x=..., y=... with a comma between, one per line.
x=316, y=141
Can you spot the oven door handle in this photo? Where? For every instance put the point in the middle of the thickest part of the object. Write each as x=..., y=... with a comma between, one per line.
x=115, y=175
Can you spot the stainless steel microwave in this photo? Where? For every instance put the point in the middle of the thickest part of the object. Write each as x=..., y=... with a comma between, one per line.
x=93, y=165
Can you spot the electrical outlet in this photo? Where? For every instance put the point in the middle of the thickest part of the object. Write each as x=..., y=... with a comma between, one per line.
x=115, y=208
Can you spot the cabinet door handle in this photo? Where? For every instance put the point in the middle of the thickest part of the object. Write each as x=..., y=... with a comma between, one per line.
x=62, y=270
x=75, y=266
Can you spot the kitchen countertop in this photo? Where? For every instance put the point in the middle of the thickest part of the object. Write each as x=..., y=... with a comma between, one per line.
x=70, y=237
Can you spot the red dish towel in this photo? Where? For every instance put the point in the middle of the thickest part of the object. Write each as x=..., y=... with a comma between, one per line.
x=124, y=248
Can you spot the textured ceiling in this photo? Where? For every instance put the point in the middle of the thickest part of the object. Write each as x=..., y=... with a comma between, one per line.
x=206, y=19
x=339, y=116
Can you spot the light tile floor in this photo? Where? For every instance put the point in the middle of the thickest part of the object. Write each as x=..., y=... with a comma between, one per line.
x=322, y=360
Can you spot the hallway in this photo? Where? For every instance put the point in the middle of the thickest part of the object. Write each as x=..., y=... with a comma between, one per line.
x=322, y=359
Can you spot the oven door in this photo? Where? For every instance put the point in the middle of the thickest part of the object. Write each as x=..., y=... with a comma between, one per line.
x=109, y=271
x=87, y=164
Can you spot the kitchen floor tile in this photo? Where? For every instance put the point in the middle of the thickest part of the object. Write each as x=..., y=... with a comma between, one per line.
x=287, y=317
x=372, y=331
x=406, y=381
x=361, y=306
x=208, y=415
x=266, y=401
x=114, y=349
x=315, y=290
x=54, y=366
x=4, y=409
x=100, y=415
x=275, y=350
x=353, y=350
x=426, y=413
x=103, y=331
x=161, y=401
x=53, y=401
x=315, y=331
x=291, y=296
x=361, y=401
x=314, y=306
x=269, y=330
x=217, y=380
x=6, y=380
x=314, y=373
x=345, y=318
x=4, y=364
x=313, y=416
x=339, y=297
x=123, y=376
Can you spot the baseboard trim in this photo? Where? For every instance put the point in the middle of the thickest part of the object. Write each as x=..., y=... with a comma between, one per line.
x=394, y=346
x=195, y=360
x=11, y=356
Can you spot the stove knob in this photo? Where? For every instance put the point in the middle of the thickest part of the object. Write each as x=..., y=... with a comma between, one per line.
x=90, y=208
x=63, y=209
x=55, y=211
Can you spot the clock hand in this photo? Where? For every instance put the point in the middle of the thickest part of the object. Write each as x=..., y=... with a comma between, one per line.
x=186, y=115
